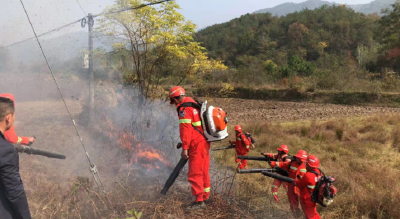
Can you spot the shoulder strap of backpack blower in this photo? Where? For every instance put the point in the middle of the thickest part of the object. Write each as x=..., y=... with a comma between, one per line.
x=314, y=194
x=193, y=105
x=318, y=174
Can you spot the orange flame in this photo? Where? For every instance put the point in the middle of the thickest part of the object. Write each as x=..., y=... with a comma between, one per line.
x=146, y=156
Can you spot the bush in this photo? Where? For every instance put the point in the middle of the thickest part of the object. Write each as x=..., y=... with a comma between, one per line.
x=302, y=67
x=339, y=133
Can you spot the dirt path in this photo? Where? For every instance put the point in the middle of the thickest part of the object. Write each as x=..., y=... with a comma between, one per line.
x=241, y=110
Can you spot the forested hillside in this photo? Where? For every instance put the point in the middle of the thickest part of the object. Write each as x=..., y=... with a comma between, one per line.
x=325, y=44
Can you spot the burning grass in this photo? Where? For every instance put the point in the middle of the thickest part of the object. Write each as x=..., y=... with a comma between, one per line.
x=362, y=153
x=136, y=151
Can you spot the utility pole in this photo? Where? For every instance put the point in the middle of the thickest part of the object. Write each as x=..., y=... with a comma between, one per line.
x=91, y=76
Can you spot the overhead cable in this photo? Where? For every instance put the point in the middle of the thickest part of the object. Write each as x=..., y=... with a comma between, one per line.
x=81, y=20
x=93, y=167
x=132, y=8
x=50, y=31
x=84, y=12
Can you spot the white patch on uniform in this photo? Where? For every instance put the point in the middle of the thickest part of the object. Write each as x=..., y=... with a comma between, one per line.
x=316, y=179
x=194, y=111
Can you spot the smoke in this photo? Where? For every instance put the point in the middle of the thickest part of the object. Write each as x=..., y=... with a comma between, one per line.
x=41, y=112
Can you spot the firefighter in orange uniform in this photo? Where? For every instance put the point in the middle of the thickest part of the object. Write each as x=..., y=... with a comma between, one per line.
x=10, y=135
x=307, y=186
x=242, y=146
x=281, y=156
x=194, y=147
x=297, y=170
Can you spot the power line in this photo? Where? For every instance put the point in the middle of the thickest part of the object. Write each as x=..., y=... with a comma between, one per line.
x=133, y=8
x=93, y=168
x=84, y=12
x=80, y=20
x=40, y=35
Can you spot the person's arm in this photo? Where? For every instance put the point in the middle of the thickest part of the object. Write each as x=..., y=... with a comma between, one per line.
x=13, y=138
x=13, y=187
x=302, y=171
x=246, y=142
x=269, y=155
x=185, y=127
x=287, y=159
x=283, y=165
x=301, y=182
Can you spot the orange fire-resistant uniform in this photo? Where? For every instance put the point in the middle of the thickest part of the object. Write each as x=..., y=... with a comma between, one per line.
x=13, y=138
x=242, y=146
x=277, y=183
x=296, y=170
x=307, y=186
x=10, y=134
x=192, y=136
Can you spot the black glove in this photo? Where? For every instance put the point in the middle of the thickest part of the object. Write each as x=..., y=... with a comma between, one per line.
x=179, y=145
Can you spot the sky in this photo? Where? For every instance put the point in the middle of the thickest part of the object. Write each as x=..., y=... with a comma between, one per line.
x=49, y=14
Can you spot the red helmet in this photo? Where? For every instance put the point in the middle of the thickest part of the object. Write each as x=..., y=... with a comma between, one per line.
x=176, y=92
x=313, y=161
x=283, y=148
x=238, y=128
x=9, y=96
x=302, y=155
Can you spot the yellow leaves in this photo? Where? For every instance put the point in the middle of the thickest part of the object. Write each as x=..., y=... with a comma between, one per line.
x=322, y=45
x=226, y=90
x=270, y=63
x=118, y=45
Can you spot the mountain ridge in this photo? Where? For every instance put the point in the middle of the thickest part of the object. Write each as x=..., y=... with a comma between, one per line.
x=286, y=8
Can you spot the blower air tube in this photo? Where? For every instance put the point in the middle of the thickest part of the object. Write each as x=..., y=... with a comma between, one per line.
x=278, y=177
x=241, y=171
x=252, y=158
x=175, y=173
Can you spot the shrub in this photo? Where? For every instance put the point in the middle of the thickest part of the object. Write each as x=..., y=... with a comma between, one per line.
x=339, y=133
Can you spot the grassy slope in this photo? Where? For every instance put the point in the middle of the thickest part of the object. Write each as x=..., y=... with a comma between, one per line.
x=361, y=153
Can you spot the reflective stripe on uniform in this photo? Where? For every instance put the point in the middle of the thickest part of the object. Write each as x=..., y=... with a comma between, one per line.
x=19, y=140
x=311, y=187
x=274, y=193
x=239, y=163
x=292, y=167
x=274, y=186
x=197, y=123
x=277, y=164
x=185, y=121
x=303, y=170
x=207, y=189
x=247, y=146
x=273, y=157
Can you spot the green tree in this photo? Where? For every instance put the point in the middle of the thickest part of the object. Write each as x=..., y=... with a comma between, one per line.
x=389, y=35
x=389, y=29
x=157, y=40
x=302, y=67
